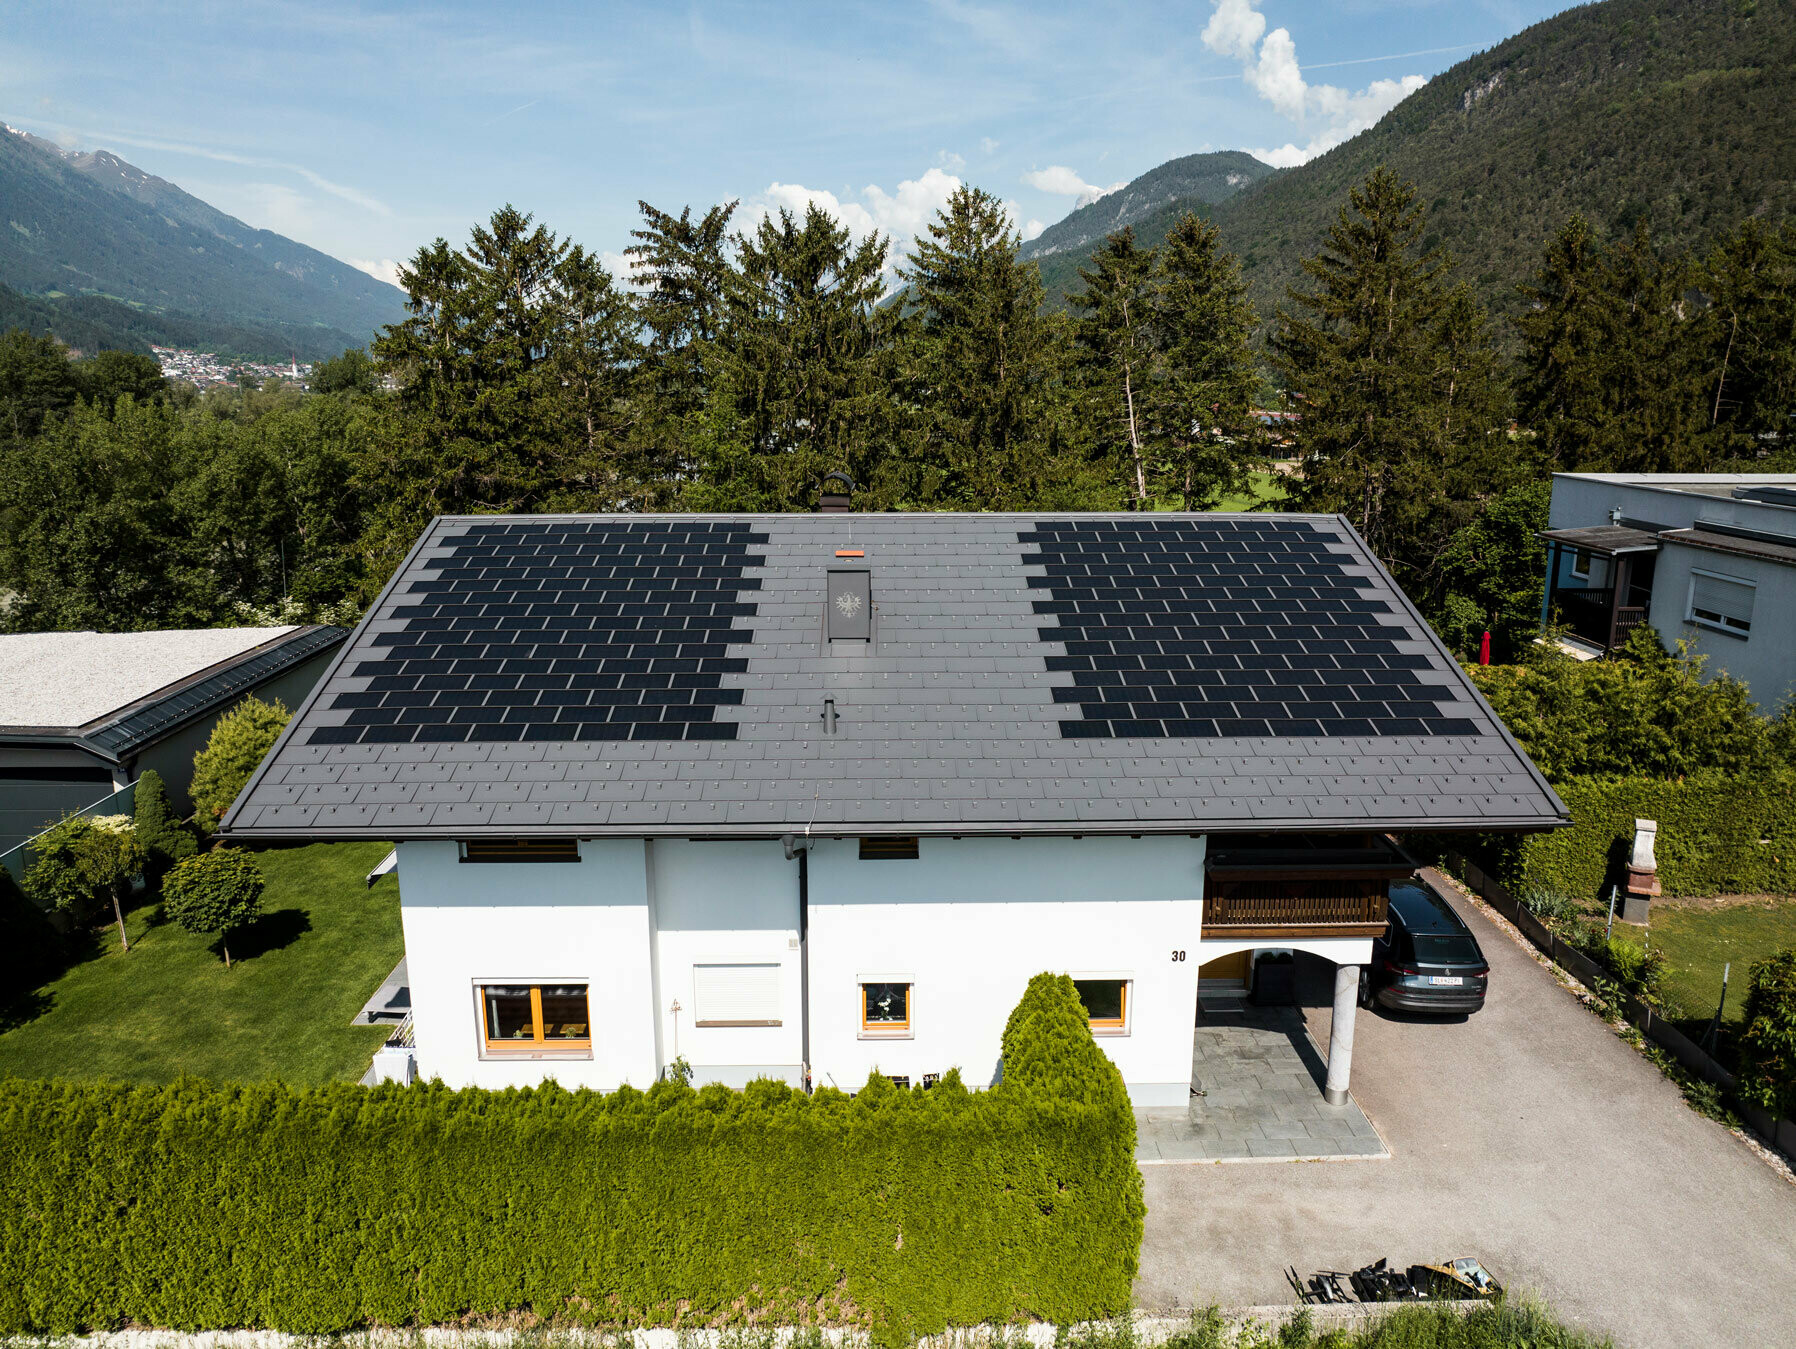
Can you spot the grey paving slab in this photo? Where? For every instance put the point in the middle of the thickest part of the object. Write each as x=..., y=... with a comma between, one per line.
x=1529, y=1136
x=1257, y=1096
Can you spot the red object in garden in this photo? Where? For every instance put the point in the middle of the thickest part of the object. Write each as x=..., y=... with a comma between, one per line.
x=1484, y=649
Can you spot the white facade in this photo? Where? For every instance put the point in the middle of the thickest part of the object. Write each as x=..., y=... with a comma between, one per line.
x=715, y=928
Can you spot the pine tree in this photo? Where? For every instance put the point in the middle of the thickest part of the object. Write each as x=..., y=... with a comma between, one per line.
x=1201, y=410
x=595, y=355
x=1390, y=373
x=984, y=366
x=1115, y=335
x=1560, y=386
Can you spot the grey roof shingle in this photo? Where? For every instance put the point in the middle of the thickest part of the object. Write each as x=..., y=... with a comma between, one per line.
x=603, y=674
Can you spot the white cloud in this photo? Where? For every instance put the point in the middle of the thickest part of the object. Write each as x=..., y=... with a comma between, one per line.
x=381, y=269
x=1064, y=182
x=987, y=145
x=1234, y=29
x=949, y=160
x=900, y=215
x=1032, y=230
x=1328, y=113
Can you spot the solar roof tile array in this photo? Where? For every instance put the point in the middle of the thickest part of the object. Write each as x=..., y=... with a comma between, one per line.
x=1243, y=629
x=600, y=630
x=583, y=675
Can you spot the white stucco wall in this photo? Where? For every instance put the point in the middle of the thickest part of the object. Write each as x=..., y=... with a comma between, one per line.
x=971, y=920
x=468, y=924
x=728, y=902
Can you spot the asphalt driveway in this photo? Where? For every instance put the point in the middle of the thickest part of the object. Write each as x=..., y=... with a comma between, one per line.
x=1527, y=1135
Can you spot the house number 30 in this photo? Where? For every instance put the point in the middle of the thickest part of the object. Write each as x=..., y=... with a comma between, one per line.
x=1177, y=956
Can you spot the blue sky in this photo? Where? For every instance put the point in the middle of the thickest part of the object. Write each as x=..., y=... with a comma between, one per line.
x=366, y=131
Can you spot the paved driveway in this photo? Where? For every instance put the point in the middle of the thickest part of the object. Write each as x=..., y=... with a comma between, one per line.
x=1528, y=1136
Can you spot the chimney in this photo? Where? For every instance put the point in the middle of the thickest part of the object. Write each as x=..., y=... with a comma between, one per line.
x=837, y=488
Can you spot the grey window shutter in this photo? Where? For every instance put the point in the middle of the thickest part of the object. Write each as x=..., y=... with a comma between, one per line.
x=1720, y=601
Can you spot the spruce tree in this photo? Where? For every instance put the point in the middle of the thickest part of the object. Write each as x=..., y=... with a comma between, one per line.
x=799, y=373
x=1201, y=410
x=1390, y=373
x=1746, y=340
x=1114, y=330
x=1560, y=385
x=165, y=840
x=984, y=366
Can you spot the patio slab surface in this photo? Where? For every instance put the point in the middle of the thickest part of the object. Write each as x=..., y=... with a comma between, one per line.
x=1257, y=1096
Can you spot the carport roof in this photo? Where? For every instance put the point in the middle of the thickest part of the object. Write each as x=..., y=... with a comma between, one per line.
x=590, y=675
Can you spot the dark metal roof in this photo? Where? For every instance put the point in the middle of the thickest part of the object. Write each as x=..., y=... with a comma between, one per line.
x=1738, y=544
x=585, y=675
x=123, y=734
x=1604, y=540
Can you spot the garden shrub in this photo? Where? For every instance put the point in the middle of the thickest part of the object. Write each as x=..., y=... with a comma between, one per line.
x=164, y=838
x=1767, y=1076
x=237, y=745
x=195, y=1206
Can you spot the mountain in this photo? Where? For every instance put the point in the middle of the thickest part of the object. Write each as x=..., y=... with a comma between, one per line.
x=87, y=227
x=1206, y=179
x=1680, y=112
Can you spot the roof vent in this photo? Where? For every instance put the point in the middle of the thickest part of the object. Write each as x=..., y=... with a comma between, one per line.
x=837, y=488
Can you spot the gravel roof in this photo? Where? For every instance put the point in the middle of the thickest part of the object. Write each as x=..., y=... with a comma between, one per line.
x=67, y=680
x=586, y=675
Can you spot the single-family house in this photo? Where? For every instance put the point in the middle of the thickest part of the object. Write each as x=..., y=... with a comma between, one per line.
x=83, y=714
x=1709, y=558
x=808, y=796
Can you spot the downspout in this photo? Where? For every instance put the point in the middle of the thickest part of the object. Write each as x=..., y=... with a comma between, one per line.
x=802, y=851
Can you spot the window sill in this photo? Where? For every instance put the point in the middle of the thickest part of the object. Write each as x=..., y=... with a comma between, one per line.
x=1099, y=1032
x=906, y=1034
x=708, y=1024
x=1724, y=631
x=504, y=1053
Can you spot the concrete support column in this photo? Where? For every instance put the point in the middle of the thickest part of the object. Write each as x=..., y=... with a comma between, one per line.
x=1340, y=1034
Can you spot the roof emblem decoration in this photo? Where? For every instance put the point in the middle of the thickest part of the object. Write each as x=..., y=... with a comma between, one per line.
x=848, y=603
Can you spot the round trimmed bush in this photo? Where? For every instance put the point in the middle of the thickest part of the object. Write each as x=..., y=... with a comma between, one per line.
x=218, y=891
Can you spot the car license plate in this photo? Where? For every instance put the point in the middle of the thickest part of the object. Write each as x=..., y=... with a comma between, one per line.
x=1446, y=980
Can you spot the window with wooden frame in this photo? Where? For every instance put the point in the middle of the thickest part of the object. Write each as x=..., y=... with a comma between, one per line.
x=1106, y=1004
x=535, y=1020
x=885, y=1008
x=521, y=850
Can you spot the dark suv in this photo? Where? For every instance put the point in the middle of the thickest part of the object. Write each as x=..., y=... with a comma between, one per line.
x=1427, y=960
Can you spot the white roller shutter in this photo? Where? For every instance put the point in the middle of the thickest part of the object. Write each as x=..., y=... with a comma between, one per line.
x=736, y=995
x=1715, y=599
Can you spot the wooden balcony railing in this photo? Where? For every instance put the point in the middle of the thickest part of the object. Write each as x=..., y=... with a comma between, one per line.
x=1345, y=907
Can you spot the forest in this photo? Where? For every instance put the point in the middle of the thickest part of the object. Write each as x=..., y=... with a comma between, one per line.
x=740, y=360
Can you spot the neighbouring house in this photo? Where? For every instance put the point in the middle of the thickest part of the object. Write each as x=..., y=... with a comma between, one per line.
x=1710, y=558
x=83, y=714
x=808, y=796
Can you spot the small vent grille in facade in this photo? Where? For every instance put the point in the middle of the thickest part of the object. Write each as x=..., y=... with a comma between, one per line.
x=888, y=849
x=521, y=850
x=848, y=610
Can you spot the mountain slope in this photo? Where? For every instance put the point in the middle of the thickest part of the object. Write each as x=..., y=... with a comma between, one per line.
x=1206, y=178
x=1682, y=112
x=94, y=225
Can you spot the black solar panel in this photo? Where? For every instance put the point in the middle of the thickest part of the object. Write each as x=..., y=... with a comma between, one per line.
x=1216, y=628
x=550, y=630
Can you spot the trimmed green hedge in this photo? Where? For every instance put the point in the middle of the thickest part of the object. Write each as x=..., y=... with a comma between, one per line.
x=197, y=1206
x=1709, y=841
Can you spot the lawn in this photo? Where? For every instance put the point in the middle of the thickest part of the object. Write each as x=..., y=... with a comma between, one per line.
x=169, y=1006
x=1699, y=938
x=1262, y=488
